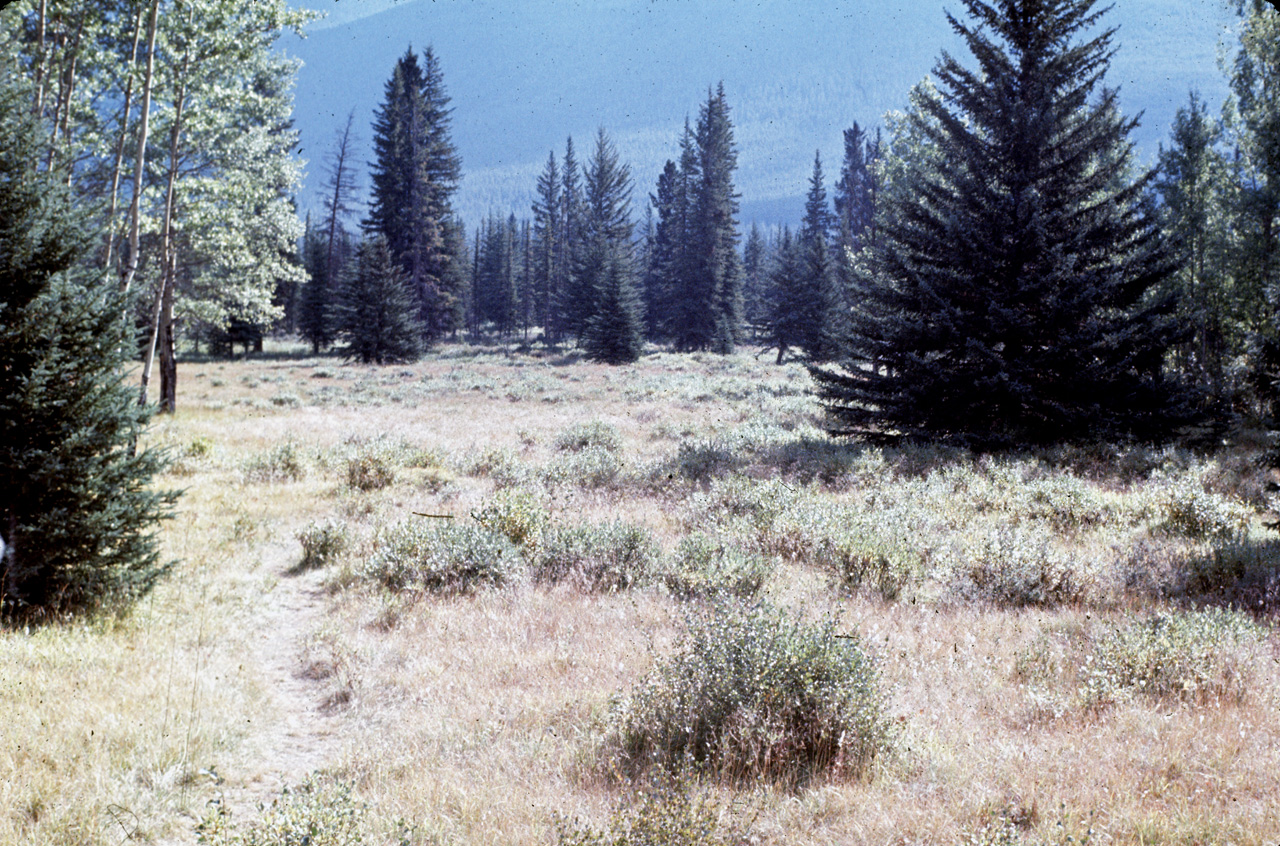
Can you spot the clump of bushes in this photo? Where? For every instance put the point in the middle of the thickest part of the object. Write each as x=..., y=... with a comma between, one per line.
x=595, y=433
x=322, y=543
x=369, y=471
x=1016, y=567
x=314, y=813
x=751, y=693
x=1189, y=511
x=518, y=515
x=593, y=466
x=705, y=567
x=1198, y=656
x=282, y=463
x=441, y=557
x=605, y=558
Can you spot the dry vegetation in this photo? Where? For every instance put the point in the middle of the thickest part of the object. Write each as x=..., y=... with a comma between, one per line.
x=1068, y=647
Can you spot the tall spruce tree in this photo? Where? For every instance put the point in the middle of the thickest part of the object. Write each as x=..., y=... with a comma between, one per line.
x=855, y=194
x=715, y=222
x=545, y=264
x=821, y=321
x=77, y=510
x=375, y=312
x=612, y=327
x=415, y=172
x=1006, y=299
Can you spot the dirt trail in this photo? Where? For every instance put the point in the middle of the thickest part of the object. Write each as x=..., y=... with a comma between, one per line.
x=302, y=730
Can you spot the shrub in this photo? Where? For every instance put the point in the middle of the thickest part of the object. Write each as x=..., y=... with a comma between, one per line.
x=610, y=557
x=1188, y=510
x=663, y=814
x=312, y=814
x=516, y=514
x=704, y=567
x=322, y=543
x=591, y=467
x=282, y=463
x=753, y=694
x=595, y=433
x=499, y=464
x=1200, y=656
x=1016, y=567
x=440, y=557
x=370, y=470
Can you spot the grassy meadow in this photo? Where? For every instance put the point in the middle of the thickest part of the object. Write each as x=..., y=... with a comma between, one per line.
x=494, y=597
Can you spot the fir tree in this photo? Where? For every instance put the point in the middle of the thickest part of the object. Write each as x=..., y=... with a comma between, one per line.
x=415, y=172
x=855, y=194
x=788, y=296
x=755, y=281
x=570, y=316
x=1006, y=299
x=77, y=510
x=376, y=311
x=615, y=332
x=546, y=249
x=715, y=222
x=820, y=322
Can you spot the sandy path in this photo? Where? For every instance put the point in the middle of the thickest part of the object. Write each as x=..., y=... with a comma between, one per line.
x=300, y=730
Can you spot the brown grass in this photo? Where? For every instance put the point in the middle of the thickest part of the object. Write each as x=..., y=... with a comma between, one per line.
x=478, y=719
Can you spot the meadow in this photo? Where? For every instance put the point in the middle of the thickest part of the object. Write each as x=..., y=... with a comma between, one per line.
x=495, y=596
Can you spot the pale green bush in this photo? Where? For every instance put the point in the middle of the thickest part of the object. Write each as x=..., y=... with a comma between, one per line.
x=1016, y=566
x=1198, y=656
x=282, y=463
x=595, y=433
x=440, y=557
x=516, y=513
x=322, y=543
x=705, y=567
x=609, y=557
x=751, y=693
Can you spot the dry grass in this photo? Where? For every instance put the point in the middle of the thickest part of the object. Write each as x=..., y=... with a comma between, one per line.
x=478, y=719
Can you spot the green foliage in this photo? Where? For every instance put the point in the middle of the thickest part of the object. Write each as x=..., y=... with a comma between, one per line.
x=604, y=558
x=281, y=463
x=315, y=813
x=1198, y=656
x=751, y=693
x=1016, y=566
x=437, y=556
x=705, y=567
x=594, y=433
x=1013, y=294
x=77, y=510
x=591, y=467
x=322, y=543
x=1188, y=510
x=665, y=813
x=375, y=309
x=516, y=514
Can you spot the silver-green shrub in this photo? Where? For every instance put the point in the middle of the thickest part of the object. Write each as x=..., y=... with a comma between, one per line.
x=594, y=433
x=604, y=558
x=441, y=557
x=706, y=567
x=752, y=693
x=322, y=543
x=1197, y=656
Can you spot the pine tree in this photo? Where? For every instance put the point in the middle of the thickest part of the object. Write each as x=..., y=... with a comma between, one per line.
x=415, y=172
x=546, y=249
x=1007, y=297
x=663, y=305
x=755, y=281
x=855, y=194
x=316, y=306
x=615, y=332
x=715, y=221
x=570, y=316
x=376, y=310
x=821, y=320
x=77, y=509
x=788, y=297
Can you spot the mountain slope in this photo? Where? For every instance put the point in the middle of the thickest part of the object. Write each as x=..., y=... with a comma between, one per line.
x=523, y=76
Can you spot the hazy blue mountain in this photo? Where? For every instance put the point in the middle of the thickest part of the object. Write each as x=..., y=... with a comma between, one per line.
x=524, y=75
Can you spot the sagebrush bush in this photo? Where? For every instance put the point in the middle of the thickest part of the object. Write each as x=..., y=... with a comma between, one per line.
x=315, y=813
x=607, y=557
x=441, y=557
x=282, y=463
x=751, y=693
x=1197, y=656
x=594, y=433
x=663, y=813
x=593, y=466
x=1188, y=510
x=706, y=567
x=322, y=543
x=500, y=464
x=1017, y=567
x=517, y=514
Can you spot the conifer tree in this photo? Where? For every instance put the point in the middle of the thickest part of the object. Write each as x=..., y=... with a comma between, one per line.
x=855, y=194
x=547, y=254
x=788, y=296
x=415, y=172
x=376, y=311
x=715, y=222
x=821, y=320
x=755, y=281
x=615, y=332
x=316, y=306
x=1006, y=299
x=570, y=315
x=77, y=510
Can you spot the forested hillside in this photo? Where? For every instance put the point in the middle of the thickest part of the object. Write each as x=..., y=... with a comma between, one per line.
x=524, y=75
